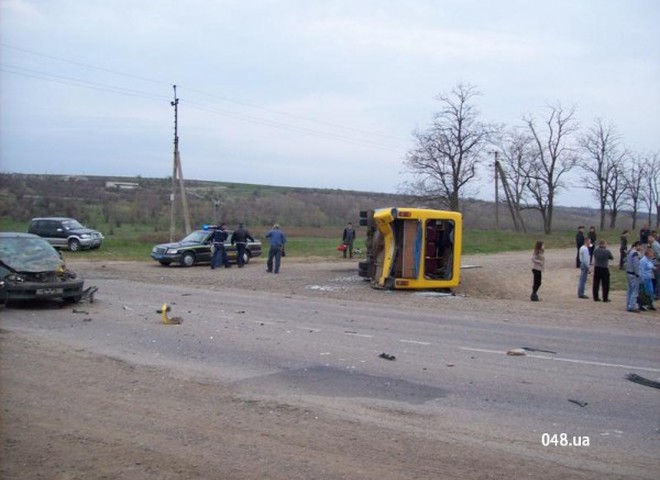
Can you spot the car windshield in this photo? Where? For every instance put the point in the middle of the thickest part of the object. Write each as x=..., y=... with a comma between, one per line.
x=198, y=236
x=72, y=224
x=29, y=255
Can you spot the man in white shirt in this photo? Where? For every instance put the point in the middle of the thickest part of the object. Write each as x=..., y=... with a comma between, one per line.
x=585, y=260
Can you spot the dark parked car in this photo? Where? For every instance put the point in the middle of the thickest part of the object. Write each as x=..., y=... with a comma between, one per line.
x=197, y=248
x=65, y=233
x=31, y=269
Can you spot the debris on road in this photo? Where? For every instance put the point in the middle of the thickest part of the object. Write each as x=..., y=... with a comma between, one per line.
x=516, y=352
x=387, y=356
x=633, y=377
x=578, y=402
x=433, y=294
x=88, y=294
x=165, y=317
x=530, y=349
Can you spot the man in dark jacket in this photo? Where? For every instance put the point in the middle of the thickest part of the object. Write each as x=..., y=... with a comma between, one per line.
x=277, y=240
x=219, y=253
x=644, y=233
x=623, y=249
x=348, y=238
x=602, y=256
x=240, y=238
x=592, y=236
x=579, y=241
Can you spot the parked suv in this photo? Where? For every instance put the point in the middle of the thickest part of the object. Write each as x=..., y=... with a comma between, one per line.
x=65, y=233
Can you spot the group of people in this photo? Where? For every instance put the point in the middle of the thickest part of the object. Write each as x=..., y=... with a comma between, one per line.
x=641, y=265
x=240, y=238
x=579, y=242
x=277, y=239
x=640, y=262
x=588, y=254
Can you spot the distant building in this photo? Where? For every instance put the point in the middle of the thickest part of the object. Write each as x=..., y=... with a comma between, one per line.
x=74, y=178
x=122, y=185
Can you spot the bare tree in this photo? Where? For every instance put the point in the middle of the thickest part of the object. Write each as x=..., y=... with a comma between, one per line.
x=518, y=152
x=635, y=186
x=446, y=156
x=602, y=164
x=554, y=158
x=652, y=178
x=616, y=190
x=654, y=162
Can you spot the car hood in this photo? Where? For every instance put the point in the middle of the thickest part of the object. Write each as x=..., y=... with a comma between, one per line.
x=33, y=256
x=81, y=231
x=177, y=244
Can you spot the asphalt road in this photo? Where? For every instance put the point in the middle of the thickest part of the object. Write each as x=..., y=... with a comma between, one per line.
x=567, y=399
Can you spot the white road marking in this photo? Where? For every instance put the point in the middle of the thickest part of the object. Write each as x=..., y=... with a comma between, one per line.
x=569, y=360
x=359, y=335
x=416, y=342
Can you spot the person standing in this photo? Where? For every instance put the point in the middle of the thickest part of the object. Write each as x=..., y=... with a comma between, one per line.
x=348, y=238
x=646, y=276
x=623, y=249
x=632, y=272
x=584, y=267
x=219, y=252
x=538, y=262
x=602, y=257
x=644, y=233
x=240, y=238
x=277, y=240
x=579, y=241
x=654, y=244
x=592, y=236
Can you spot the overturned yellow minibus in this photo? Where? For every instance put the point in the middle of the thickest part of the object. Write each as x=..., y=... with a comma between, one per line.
x=412, y=248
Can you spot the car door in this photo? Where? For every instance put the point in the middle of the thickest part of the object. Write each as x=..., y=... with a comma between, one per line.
x=229, y=248
x=47, y=229
x=204, y=251
x=57, y=234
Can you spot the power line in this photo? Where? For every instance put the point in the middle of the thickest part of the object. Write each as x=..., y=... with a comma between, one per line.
x=293, y=115
x=81, y=64
x=26, y=72
x=77, y=82
x=292, y=128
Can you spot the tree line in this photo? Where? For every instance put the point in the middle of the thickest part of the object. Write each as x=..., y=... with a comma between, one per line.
x=87, y=199
x=535, y=160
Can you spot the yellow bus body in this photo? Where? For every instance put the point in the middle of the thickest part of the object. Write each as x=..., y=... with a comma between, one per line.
x=415, y=248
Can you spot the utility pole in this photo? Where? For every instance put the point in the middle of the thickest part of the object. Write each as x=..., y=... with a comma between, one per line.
x=175, y=104
x=518, y=222
x=216, y=210
x=177, y=172
x=497, y=194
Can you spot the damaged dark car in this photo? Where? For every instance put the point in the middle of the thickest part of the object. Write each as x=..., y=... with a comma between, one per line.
x=31, y=269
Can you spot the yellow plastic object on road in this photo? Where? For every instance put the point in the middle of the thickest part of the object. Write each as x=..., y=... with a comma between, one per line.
x=164, y=310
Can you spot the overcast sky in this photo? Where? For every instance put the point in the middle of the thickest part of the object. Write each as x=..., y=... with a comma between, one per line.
x=306, y=93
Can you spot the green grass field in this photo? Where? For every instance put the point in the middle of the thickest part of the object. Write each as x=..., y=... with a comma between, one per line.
x=129, y=242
